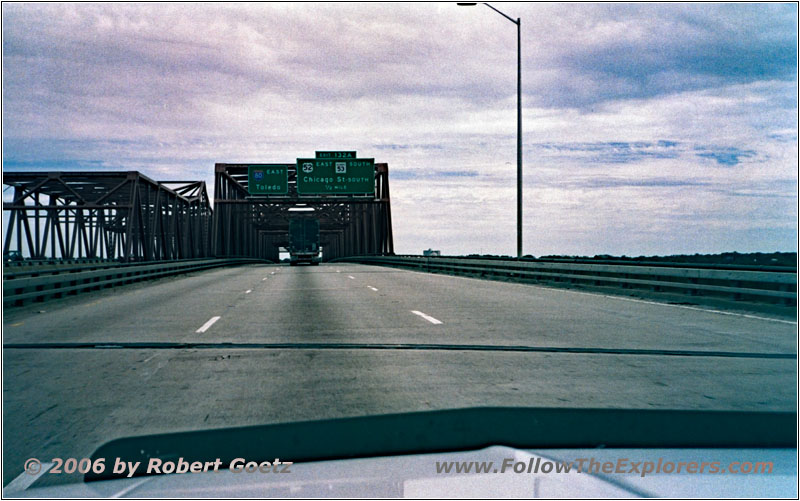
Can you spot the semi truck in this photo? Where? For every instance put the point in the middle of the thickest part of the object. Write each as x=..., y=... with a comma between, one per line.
x=304, y=241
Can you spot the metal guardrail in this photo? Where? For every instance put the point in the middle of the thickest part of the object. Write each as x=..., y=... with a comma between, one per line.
x=28, y=262
x=33, y=269
x=54, y=282
x=620, y=261
x=756, y=286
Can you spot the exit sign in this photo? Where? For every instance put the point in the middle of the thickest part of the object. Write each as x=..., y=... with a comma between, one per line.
x=267, y=179
x=336, y=154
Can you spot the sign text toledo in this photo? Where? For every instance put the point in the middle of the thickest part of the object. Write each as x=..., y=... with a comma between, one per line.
x=268, y=179
x=336, y=176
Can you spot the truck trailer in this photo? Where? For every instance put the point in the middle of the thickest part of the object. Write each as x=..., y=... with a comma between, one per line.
x=304, y=241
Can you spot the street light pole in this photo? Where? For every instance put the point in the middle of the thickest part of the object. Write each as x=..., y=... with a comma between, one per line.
x=519, y=122
x=519, y=142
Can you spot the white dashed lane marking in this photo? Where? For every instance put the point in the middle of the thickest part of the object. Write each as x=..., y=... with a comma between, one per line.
x=25, y=480
x=207, y=324
x=426, y=317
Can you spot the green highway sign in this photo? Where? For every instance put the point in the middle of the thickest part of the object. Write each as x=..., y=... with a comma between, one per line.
x=268, y=179
x=336, y=154
x=322, y=176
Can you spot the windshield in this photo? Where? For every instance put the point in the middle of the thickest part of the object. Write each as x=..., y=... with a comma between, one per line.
x=241, y=216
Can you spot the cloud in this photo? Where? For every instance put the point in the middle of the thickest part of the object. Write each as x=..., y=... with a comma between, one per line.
x=726, y=156
x=431, y=174
x=614, y=151
x=607, y=52
x=605, y=183
x=648, y=128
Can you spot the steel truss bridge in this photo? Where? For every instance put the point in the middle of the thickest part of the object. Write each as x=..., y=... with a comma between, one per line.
x=123, y=216
x=248, y=225
x=128, y=217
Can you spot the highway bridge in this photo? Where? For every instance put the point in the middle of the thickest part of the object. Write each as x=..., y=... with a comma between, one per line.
x=96, y=348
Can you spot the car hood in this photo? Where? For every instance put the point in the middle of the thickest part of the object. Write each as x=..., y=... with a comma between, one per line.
x=415, y=476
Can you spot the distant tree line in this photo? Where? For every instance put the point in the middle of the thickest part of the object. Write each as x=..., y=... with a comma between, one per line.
x=744, y=258
x=738, y=258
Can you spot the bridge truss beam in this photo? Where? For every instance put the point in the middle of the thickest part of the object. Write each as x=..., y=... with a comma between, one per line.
x=121, y=216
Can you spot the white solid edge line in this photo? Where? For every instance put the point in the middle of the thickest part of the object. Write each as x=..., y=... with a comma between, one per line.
x=609, y=296
x=686, y=307
x=25, y=480
x=207, y=324
x=426, y=317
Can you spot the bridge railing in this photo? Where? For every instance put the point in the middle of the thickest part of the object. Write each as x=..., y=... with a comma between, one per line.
x=748, y=285
x=33, y=268
x=37, y=283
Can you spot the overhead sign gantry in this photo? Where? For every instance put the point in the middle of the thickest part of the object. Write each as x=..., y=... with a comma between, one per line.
x=329, y=173
x=348, y=195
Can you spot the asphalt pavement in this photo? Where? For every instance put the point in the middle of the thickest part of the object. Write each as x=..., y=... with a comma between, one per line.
x=265, y=344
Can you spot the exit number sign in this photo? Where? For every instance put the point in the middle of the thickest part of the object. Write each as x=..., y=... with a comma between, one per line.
x=336, y=154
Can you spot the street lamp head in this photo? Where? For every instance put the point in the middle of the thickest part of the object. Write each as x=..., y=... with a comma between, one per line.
x=466, y=4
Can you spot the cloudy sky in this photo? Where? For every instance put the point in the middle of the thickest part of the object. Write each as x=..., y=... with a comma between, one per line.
x=648, y=128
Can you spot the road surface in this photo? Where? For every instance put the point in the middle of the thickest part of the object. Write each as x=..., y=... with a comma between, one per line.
x=266, y=344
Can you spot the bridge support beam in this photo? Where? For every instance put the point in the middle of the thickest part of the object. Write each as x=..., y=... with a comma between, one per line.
x=122, y=216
